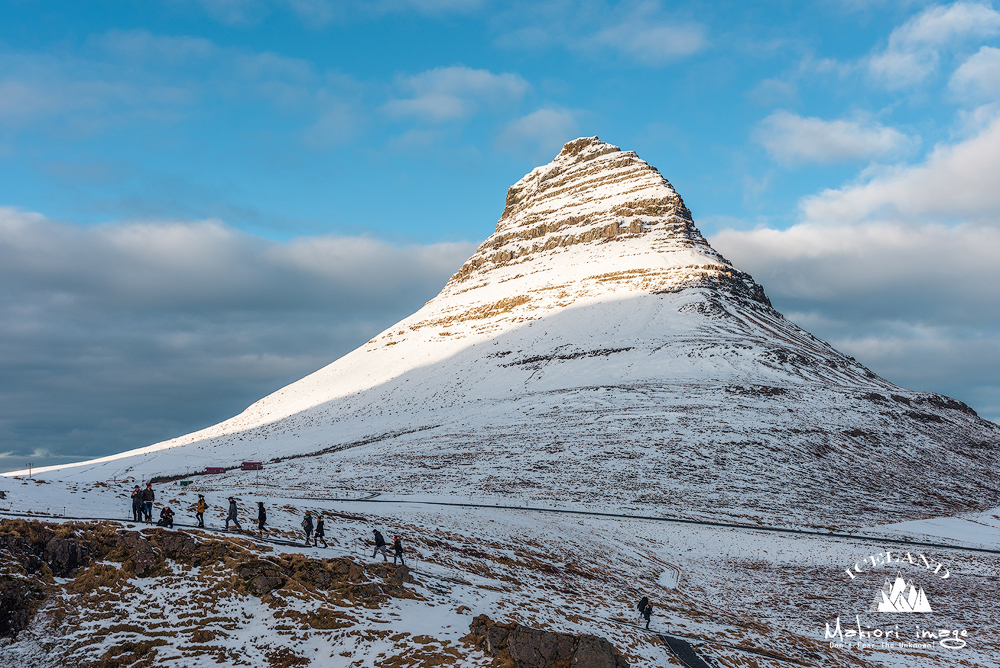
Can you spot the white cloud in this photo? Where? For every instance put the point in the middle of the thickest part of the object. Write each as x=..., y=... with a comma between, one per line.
x=914, y=48
x=638, y=29
x=141, y=45
x=791, y=138
x=979, y=76
x=121, y=78
x=918, y=304
x=896, y=261
x=120, y=335
x=86, y=96
x=313, y=12
x=955, y=182
x=454, y=93
x=319, y=13
x=428, y=6
x=898, y=269
x=236, y=12
x=153, y=264
x=540, y=133
x=772, y=92
x=650, y=40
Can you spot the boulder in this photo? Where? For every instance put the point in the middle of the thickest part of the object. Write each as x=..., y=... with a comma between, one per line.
x=140, y=550
x=64, y=556
x=534, y=648
x=261, y=576
x=17, y=603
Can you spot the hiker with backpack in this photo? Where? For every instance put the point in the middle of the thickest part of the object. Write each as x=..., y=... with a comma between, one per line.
x=199, y=511
x=321, y=531
x=232, y=515
x=647, y=611
x=642, y=604
x=380, y=546
x=307, y=526
x=261, y=517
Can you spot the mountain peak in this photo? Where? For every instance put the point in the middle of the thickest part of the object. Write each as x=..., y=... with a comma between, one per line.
x=593, y=206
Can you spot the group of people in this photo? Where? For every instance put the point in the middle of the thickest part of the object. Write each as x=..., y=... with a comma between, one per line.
x=381, y=546
x=317, y=531
x=142, y=507
x=142, y=511
x=142, y=503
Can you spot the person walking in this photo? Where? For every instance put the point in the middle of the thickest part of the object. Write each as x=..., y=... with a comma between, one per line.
x=261, y=517
x=199, y=511
x=380, y=546
x=232, y=515
x=307, y=526
x=647, y=612
x=320, y=532
x=397, y=550
x=166, y=518
x=136, y=504
x=148, y=496
x=642, y=605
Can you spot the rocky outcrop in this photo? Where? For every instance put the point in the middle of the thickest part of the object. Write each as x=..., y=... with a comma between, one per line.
x=18, y=600
x=37, y=551
x=525, y=647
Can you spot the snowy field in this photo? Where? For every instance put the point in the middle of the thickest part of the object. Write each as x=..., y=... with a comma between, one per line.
x=740, y=596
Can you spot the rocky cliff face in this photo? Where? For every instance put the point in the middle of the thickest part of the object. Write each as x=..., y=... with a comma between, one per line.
x=596, y=348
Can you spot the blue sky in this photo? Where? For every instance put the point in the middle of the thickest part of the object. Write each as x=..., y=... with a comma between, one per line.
x=202, y=200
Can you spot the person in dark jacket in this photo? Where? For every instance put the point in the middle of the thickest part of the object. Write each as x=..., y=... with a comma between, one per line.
x=148, y=496
x=380, y=546
x=647, y=612
x=136, y=504
x=321, y=531
x=166, y=518
x=199, y=511
x=397, y=550
x=307, y=526
x=261, y=517
x=642, y=604
x=232, y=515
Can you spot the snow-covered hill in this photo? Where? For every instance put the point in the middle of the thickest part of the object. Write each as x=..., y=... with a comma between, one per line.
x=596, y=348
x=538, y=433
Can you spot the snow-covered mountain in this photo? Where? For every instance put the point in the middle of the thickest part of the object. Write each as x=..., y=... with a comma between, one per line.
x=596, y=349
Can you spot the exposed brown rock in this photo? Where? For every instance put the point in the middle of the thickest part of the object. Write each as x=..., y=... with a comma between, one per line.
x=202, y=636
x=261, y=576
x=525, y=647
x=17, y=604
x=64, y=556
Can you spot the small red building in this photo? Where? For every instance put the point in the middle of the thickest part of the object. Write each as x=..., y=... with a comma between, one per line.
x=215, y=469
x=252, y=466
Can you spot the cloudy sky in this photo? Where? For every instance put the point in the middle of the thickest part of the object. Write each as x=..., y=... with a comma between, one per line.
x=203, y=200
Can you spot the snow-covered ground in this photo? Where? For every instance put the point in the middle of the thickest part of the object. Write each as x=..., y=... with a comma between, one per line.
x=737, y=594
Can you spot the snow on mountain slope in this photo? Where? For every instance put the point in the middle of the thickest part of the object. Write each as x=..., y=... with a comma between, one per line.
x=596, y=348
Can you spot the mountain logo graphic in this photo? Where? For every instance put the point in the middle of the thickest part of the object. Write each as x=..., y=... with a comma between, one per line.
x=902, y=596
